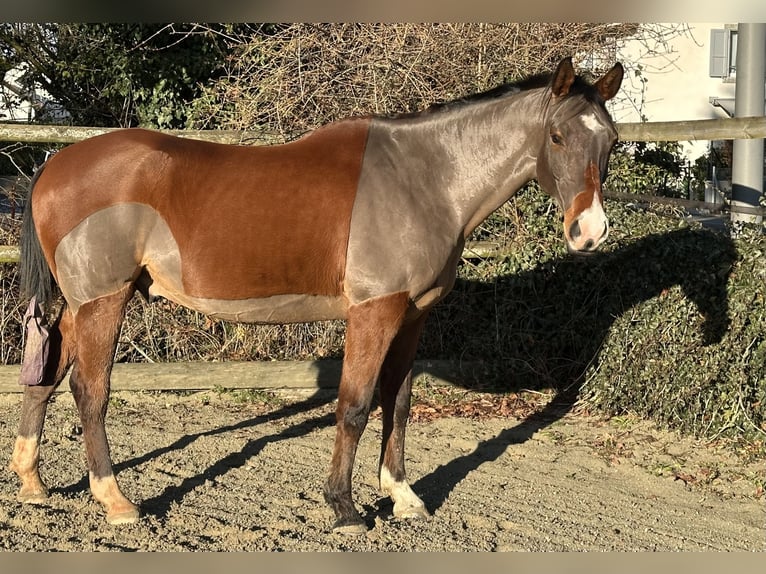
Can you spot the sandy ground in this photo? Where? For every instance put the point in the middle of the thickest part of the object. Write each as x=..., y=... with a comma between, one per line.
x=214, y=472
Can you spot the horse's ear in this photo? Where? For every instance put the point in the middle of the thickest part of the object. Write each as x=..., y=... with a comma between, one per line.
x=610, y=82
x=563, y=78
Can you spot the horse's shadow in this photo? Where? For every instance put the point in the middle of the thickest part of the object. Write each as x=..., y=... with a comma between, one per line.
x=699, y=261
x=611, y=284
x=160, y=504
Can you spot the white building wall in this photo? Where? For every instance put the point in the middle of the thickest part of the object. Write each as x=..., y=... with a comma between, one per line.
x=18, y=105
x=12, y=107
x=677, y=83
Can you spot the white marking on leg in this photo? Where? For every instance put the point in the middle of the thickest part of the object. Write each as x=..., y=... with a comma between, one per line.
x=119, y=510
x=26, y=454
x=407, y=504
x=25, y=463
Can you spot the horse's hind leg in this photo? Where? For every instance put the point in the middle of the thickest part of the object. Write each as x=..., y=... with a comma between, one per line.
x=97, y=324
x=370, y=328
x=26, y=452
x=395, y=393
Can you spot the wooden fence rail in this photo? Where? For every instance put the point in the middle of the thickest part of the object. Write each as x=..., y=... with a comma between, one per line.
x=693, y=130
x=473, y=250
x=30, y=133
x=685, y=130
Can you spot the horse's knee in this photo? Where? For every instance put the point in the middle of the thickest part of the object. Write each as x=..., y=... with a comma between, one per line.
x=355, y=417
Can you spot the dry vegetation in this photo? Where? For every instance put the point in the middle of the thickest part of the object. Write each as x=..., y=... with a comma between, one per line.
x=292, y=78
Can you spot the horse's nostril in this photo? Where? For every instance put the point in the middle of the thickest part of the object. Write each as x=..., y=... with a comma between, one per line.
x=574, y=230
x=588, y=245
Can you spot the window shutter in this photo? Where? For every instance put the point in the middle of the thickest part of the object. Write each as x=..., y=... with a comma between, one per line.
x=718, y=64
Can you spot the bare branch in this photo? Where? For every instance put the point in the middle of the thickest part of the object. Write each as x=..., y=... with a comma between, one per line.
x=292, y=78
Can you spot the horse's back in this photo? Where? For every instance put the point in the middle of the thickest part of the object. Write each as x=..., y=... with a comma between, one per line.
x=214, y=221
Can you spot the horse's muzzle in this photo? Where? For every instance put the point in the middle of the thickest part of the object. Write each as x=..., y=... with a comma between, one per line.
x=585, y=243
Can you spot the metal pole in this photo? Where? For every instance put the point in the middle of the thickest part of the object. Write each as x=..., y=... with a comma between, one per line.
x=747, y=162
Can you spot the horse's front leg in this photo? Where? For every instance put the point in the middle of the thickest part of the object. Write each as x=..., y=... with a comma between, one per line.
x=395, y=396
x=25, y=460
x=370, y=328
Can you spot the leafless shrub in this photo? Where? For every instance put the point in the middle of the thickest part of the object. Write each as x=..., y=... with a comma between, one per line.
x=165, y=332
x=292, y=78
x=10, y=315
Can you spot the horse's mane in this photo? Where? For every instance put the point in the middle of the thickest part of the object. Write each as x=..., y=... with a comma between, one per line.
x=580, y=86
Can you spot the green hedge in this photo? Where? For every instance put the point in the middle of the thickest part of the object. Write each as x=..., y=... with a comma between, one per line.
x=668, y=321
x=662, y=360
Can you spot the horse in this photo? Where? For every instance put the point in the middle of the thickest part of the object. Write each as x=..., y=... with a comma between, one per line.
x=363, y=219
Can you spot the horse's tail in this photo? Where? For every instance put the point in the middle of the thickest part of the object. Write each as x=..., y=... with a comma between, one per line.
x=36, y=277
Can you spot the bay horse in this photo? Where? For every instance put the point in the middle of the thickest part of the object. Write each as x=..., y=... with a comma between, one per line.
x=363, y=219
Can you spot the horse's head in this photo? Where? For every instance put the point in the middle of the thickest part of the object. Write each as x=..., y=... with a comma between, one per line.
x=572, y=162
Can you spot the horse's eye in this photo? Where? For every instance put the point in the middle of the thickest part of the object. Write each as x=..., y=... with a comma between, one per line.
x=557, y=139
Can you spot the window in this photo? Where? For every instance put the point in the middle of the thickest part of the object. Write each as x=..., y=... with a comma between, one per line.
x=723, y=52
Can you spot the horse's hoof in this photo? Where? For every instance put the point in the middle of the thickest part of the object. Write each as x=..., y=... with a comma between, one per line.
x=32, y=497
x=350, y=528
x=124, y=517
x=411, y=513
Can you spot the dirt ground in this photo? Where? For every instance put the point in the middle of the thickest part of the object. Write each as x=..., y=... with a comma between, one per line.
x=217, y=471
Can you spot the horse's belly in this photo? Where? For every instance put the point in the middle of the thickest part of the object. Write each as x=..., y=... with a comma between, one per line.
x=291, y=308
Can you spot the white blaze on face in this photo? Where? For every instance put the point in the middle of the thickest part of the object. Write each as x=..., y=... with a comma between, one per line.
x=585, y=222
x=591, y=122
x=593, y=220
x=594, y=226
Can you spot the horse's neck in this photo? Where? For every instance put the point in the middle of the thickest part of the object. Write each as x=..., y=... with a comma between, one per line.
x=477, y=156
